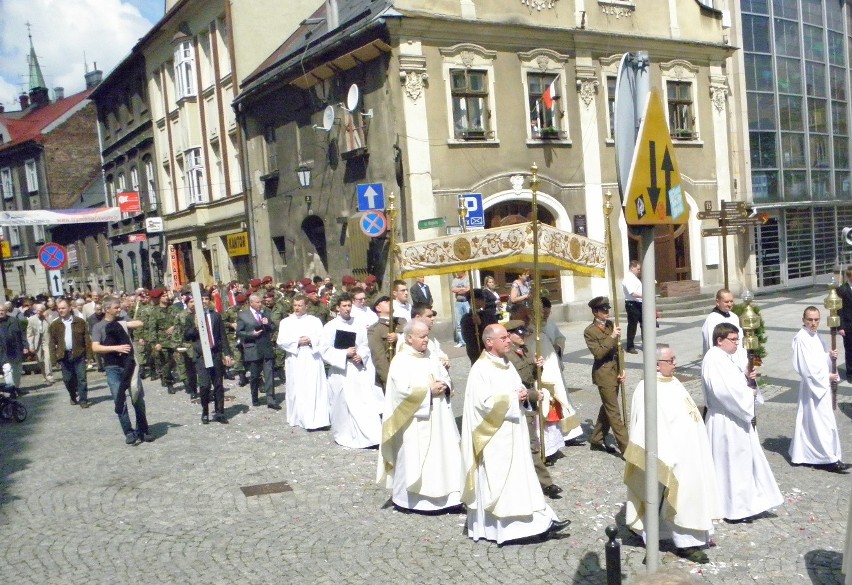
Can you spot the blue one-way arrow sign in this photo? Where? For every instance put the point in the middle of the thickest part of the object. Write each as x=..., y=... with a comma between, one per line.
x=371, y=196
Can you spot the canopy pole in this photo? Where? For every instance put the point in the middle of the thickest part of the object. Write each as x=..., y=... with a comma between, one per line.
x=536, y=304
x=462, y=208
x=390, y=215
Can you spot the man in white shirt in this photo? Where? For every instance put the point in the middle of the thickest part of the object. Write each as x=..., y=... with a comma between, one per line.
x=723, y=313
x=401, y=304
x=37, y=340
x=632, y=303
x=816, y=441
x=360, y=309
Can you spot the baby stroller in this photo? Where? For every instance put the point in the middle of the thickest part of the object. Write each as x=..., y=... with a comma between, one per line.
x=11, y=409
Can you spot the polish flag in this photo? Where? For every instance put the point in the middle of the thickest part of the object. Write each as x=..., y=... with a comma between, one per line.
x=550, y=94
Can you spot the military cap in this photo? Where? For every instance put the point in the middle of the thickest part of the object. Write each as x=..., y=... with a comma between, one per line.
x=309, y=289
x=305, y=282
x=266, y=280
x=380, y=300
x=255, y=282
x=370, y=279
x=348, y=280
x=156, y=293
x=599, y=303
x=240, y=298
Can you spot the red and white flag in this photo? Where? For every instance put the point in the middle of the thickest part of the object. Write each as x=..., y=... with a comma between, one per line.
x=550, y=95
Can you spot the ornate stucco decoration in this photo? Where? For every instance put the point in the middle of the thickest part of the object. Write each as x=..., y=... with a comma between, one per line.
x=617, y=8
x=587, y=89
x=468, y=55
x=517, y=182
x=679, y=69
x=719, y=93
x=539, y=4
x=543, y=59
x=412, y=74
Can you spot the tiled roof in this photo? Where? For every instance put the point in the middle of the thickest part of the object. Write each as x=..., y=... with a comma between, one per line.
x=31, y=126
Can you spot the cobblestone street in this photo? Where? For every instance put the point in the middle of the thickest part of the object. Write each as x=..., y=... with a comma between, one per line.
x=77, y=505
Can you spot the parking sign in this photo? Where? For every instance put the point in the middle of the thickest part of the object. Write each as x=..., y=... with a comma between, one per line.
x=475, y=218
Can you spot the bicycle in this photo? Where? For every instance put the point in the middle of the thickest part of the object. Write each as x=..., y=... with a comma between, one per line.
x=11, y=409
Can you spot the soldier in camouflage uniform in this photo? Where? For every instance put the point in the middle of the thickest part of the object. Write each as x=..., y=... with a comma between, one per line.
x=141, y=308
x=157, y=332
x=175, y=310
x=372, y=289
x=275, y=316
x=229, y=318
x=315, y=307
x=184, y=353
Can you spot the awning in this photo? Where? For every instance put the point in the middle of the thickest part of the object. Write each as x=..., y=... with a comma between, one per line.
x=345, y=62
x=510, y=245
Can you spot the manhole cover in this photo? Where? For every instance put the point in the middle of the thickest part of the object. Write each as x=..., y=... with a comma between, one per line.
x=266, y=488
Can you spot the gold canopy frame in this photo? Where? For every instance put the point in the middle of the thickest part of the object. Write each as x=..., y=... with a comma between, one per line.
x=510, y=245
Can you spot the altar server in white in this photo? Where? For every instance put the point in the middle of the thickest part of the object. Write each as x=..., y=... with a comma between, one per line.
x=355, y=400
x=745, y=480
x=419, y=457
x=307, y=386
x=723, y=313
x=501, y=491
x=689, y=493
x=816, y=441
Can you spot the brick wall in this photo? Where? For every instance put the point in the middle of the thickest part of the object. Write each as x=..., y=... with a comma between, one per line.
x=72, y=157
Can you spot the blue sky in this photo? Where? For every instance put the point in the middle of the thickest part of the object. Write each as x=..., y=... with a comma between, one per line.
x=63, y=32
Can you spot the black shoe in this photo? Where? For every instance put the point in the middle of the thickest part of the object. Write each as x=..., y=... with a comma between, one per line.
x=578, y=442
x=143, y=373
x=243, y=381
x=558, y=526
x=552, y=491
x=601, y=447
x=747, y=520
x=255, y=402
x=631, y=350
x=220, y=418
x=273, y=406
x=147, y=437
x=131, y=438
x=836, y=467
x=193, y=395
x=74, y=401
x=84, y=404
x=170, y=388
x=205, y=420
x=693, y=554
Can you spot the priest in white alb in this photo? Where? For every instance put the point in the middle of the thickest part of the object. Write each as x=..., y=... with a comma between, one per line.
x=419, y=457
x=723, y=313
x=816, y=441
x=355, y=400
x=501, y=491
x=306, y=386
x=687, y=478
x=746, y=483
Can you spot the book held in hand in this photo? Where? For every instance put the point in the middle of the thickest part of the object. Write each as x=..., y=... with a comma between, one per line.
x=344, y=339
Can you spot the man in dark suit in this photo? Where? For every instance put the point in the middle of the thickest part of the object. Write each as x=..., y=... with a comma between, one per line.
x=420, y=292
x=214, y=376
x=255, y=330
x=602, y=340
x=70, y=344
x=845, y=293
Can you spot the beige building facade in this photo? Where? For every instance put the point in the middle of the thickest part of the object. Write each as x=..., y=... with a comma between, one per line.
x=460, y=96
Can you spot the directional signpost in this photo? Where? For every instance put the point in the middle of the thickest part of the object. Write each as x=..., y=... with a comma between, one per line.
x=371, y=196
x=733, y=219
x=373, y=223
x=54, y=277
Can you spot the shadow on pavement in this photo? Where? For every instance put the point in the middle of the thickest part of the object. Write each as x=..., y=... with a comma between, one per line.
x=14, y=438
x=161, y=429
x=236, y=409
x=780, y=445
x=846, y=408
x=824, y=566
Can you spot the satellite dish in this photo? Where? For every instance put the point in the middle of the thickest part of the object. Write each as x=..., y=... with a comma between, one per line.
x=352, y=97
x=328, y=118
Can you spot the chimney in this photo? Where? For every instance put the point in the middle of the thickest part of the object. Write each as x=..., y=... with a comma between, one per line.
x=94, y=77
x=58, y=93
x=39, y=97
x=332, y=15
x=24, y=100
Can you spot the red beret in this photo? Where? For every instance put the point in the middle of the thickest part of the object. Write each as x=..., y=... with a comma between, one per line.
x=348, y=280
x=252, y=290
x=266, y=280
x=156, y=293
x=240, y=298
x=370, y=279
x=269, y=295
x=305, y=281
x=255, y=282
x=310, y=289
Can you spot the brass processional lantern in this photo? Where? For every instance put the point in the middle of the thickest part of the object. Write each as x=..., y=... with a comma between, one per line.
x=750, y=322
x=833, y=303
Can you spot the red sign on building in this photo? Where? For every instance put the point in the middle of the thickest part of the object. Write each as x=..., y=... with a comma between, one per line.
x=128, y=202
x=131, y=238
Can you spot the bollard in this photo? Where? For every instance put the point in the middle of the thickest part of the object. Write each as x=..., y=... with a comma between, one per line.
x=613, y=557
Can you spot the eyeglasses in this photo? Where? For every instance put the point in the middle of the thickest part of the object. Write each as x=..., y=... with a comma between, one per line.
x=360, y=299
x=668, y=361
x=734, y=339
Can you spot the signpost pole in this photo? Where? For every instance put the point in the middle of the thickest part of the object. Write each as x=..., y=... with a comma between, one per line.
x=2, y=271
x=649, y=362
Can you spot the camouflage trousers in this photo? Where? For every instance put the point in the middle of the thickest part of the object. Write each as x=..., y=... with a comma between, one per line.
x=163, y=365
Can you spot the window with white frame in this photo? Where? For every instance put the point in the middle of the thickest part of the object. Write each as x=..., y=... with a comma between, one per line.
x=543, y=80
x=193, y=177
x=134, y=179
x=680, y=79
x=38, y=234
x=14, y=236
x=121, y=183
x=110, y=191
x=6, y=184
x=150, y=183
x=610, y=106
x=32, y=176
x=469, y=76
x=184, y=70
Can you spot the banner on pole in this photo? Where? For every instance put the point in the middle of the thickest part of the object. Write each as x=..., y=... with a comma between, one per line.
x=61, y=217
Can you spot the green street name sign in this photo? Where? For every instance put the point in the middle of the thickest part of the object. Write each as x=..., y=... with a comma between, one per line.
x=435, y=222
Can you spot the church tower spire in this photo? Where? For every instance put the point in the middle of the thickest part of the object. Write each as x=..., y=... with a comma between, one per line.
x=36, y=77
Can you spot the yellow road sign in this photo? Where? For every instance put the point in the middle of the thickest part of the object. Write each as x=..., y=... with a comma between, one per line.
x=654, y=194
x=5, y=249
